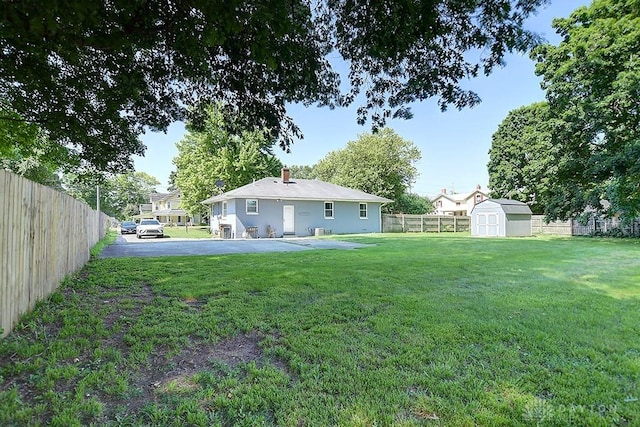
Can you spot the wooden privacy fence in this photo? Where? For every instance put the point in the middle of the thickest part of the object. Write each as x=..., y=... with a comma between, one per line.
x=401, y=223
x=606, y=225
x=404, y=223
x=45, y=235
x=575, y=228
x=557, y=228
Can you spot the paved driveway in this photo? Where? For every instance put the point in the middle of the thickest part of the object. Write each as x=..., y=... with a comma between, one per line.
x=129, y=246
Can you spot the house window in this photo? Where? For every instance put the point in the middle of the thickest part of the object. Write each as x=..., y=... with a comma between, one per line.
x=363, y=211
x=439, y=203
x=478, y=198
x=224, y=209
x=252, y=206
x=328, y=210
x=168, y=205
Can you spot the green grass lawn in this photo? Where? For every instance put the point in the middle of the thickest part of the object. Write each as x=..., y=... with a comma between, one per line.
x=195, y=232
x=435, y=330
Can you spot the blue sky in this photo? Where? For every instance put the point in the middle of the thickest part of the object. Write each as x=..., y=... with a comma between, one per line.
x=454, y=144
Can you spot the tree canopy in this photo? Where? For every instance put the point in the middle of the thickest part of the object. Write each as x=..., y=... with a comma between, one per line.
x=213, y=160
x=26, y=151
x=303, y=172
x=120, y=195
x=411, y=203
x=382, y=164
x=592, y=79
x=95, y=74
x=522, y=159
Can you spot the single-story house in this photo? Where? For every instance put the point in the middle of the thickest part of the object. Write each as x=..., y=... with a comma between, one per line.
x=458, y=204
x=501, y=218
x=276, y=207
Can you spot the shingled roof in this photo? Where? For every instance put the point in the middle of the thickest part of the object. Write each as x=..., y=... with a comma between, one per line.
x=298, y=189
x=511, y=206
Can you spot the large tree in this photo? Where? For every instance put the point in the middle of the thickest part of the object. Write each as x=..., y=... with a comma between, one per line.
x=212, y=160
x=302, y=172
x=26, y=151
x=125, y=192
x=381, y=163
x=120, y=195
x=95, y=74
x=592, y=80
x=523, y=158
x=411, y=203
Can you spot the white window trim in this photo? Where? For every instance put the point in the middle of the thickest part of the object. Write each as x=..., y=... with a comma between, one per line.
x=224, y=209
x=333, y=210
x=246, y=207
x=366, y=211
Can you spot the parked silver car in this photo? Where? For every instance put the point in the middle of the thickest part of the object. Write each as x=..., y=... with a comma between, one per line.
x=149, y=227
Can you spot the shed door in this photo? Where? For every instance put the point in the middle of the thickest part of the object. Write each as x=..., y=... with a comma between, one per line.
x=492, y=224
x=288, y=226
x=482, y=224
x=487, y=224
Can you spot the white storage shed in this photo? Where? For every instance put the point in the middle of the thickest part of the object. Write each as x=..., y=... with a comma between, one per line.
x=501, y=218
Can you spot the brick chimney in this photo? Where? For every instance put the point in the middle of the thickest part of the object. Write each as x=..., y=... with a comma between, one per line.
x=285, y=175
x=443, y=191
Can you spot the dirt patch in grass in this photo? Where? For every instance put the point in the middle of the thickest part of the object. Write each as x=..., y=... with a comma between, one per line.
x=135, y=301
x=165, y=369
x=163, y=373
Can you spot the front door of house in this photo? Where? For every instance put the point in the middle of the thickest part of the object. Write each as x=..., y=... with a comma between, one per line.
x=288, y=226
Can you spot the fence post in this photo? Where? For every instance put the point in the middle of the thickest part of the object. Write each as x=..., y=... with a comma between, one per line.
x=422, y=223
x=455, y=224
x=439, y=223
x=403, y=223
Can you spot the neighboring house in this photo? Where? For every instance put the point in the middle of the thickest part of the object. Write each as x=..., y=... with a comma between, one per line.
x=146, y=208
x=458, y=204
x=276, y=207
x=166, y=208
x=501, y=218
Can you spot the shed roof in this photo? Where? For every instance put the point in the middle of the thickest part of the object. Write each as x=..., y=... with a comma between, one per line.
x=298, y=189
x=510, y=206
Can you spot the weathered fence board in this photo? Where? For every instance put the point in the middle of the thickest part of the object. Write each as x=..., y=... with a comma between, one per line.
x=558, y=228
x=405, y=223
x=575, y=228
x=606, y=225
x=401, y=223
x=45, y=235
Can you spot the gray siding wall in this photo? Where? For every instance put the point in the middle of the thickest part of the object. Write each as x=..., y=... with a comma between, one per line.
x=518, y=225
x=308, y=215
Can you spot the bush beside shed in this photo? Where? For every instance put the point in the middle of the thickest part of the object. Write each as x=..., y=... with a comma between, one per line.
x=501, y=218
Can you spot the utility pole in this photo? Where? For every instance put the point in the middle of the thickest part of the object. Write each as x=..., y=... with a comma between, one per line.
x=98, y=228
